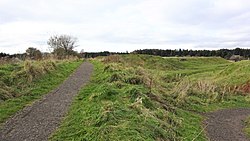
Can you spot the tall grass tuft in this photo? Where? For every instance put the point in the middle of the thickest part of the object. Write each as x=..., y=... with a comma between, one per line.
x=112, y=59
x=33, y=69
x=6, y=92
x=14, y=77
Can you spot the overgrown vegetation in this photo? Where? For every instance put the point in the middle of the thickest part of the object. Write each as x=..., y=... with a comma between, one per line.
x=24, y=82
x=141, y=97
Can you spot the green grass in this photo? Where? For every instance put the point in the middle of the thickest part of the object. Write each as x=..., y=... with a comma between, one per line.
x=192, y=121
x=247, y=128
x=38, y=87
x=105, y=112
x=141, y=97
x=191, y=127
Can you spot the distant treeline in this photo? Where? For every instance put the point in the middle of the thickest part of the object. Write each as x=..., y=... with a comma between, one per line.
x=224, y=53
x=2, y=55
x=105, y=53
x=84, y=55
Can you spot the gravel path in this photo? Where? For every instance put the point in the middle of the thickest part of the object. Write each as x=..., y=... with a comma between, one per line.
x=227, y=125
x=38, y=121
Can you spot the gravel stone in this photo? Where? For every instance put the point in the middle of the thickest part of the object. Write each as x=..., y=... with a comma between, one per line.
x=226, y=125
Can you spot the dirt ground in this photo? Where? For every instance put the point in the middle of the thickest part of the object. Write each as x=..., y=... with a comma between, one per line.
x=226, y=125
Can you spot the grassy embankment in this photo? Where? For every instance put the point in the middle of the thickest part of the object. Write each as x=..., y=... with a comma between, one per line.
x=25, y=82
x=139, y=97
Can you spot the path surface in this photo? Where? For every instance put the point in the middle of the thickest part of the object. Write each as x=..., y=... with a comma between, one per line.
x=227, y=125
x=38, y=121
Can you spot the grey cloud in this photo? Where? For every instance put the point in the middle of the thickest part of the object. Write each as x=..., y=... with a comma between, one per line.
x=203, y=24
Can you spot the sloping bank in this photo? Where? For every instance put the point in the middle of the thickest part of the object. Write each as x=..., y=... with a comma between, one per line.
x=140, y=97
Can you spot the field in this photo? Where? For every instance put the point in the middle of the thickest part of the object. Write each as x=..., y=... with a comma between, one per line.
x=142, y=97
x=22, y=83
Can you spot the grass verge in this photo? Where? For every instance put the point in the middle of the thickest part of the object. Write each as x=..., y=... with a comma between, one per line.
x=37, y=88
x=247, y=128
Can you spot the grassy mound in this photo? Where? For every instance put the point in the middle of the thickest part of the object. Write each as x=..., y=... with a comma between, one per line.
x=140, y=97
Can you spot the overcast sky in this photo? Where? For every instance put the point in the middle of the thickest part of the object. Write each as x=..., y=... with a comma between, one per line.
x=125, y=25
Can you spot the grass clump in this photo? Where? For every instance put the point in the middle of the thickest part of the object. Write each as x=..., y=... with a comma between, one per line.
x=16, y=78
x=32, y=70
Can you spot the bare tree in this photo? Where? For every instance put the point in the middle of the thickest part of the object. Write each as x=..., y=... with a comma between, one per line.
x=66, y=42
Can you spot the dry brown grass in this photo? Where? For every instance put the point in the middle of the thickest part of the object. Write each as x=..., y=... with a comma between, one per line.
x=112, y=59
x=204, y=89
x=33, y=69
